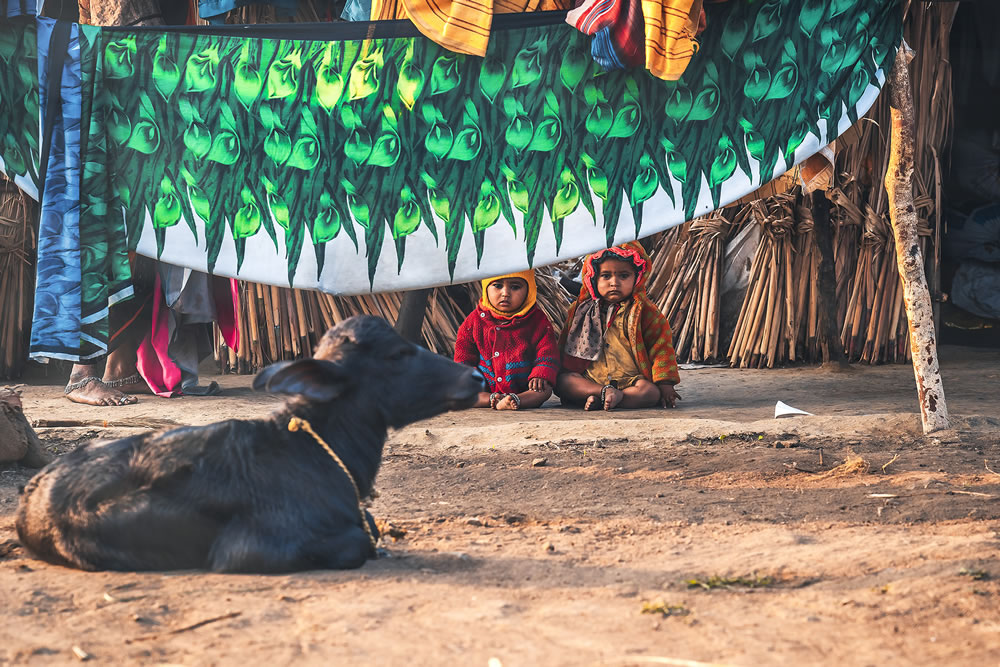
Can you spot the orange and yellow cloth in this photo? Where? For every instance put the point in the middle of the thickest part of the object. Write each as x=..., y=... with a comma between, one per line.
x=656, y=34
x=462, y=26
x=661, y=35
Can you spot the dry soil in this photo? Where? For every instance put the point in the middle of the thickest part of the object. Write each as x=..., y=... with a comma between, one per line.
x=712, y=533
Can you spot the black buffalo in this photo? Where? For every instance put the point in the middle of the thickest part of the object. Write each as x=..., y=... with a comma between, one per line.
x=248, y=495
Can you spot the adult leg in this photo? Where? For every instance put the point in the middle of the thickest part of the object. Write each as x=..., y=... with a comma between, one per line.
x=128, y=321
x=85, y=386
x=120, y=372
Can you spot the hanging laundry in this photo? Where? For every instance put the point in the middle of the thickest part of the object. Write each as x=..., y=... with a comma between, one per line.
x=462, y=26
x=656, y=34
x=184, y=303
x=215, y=10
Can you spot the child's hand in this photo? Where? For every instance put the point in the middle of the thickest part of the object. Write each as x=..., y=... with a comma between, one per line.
x=668, y=395
x=538, y=384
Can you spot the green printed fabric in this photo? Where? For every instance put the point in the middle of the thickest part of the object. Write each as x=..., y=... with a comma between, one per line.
x=19, y=112
x=387, y=164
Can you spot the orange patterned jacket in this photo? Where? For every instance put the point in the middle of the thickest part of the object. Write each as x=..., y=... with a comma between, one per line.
x=648, y=329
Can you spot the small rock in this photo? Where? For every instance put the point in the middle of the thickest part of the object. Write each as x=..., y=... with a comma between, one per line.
x=474, y=521
x=82, y=655
x=392, y=530
x=513, y=518
x=550, y=548
x=539, y=462
x=460, y=464
x=626, y=591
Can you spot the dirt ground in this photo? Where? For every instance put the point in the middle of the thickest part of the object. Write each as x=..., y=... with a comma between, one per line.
x=557, y=537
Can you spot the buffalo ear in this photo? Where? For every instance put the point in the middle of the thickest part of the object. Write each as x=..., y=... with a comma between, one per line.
x=314, y=379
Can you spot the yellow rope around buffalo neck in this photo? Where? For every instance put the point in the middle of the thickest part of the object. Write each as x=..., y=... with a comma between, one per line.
x=296, y=424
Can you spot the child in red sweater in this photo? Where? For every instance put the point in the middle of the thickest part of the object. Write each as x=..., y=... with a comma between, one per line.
x=511, y=342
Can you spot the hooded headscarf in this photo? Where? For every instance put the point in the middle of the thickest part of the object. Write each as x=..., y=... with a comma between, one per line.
x=586, y=333
x=529, y=301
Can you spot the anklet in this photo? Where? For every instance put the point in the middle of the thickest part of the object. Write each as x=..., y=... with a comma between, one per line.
x=604, y=392
x=73, y=386
x=495, y=398
x=131, y=379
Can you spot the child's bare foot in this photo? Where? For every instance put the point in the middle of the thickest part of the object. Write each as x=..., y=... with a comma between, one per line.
x=508, y=402
x=612, y=397
x=593, y=402
x=92, y=391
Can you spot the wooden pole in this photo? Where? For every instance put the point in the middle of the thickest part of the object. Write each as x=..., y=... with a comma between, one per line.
x=411, y=314
x=832, y=348
x=899, y=186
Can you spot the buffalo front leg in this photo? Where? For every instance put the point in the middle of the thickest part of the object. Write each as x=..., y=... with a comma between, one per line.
x=250, y=547
x=343, y=551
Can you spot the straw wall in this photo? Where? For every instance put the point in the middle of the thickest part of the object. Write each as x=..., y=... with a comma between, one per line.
x=17, y=276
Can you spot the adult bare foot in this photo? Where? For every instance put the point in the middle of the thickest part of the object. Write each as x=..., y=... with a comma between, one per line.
x=508, y=402
x=92, y=391
x=132, y=384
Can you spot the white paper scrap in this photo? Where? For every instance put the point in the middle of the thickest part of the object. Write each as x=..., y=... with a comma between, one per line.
x=785, y=410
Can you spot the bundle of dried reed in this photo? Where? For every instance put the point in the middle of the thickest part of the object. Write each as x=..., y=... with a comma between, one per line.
x=17, y=276
x=685, y=283
x=767, y=318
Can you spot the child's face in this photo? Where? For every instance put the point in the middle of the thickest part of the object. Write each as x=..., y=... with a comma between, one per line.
x=615, y=280
x=507, y=295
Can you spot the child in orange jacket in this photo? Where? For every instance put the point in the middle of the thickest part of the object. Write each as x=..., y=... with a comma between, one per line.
x=616, y=345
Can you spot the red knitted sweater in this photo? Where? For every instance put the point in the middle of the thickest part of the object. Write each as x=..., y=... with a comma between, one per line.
x=509, y=352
